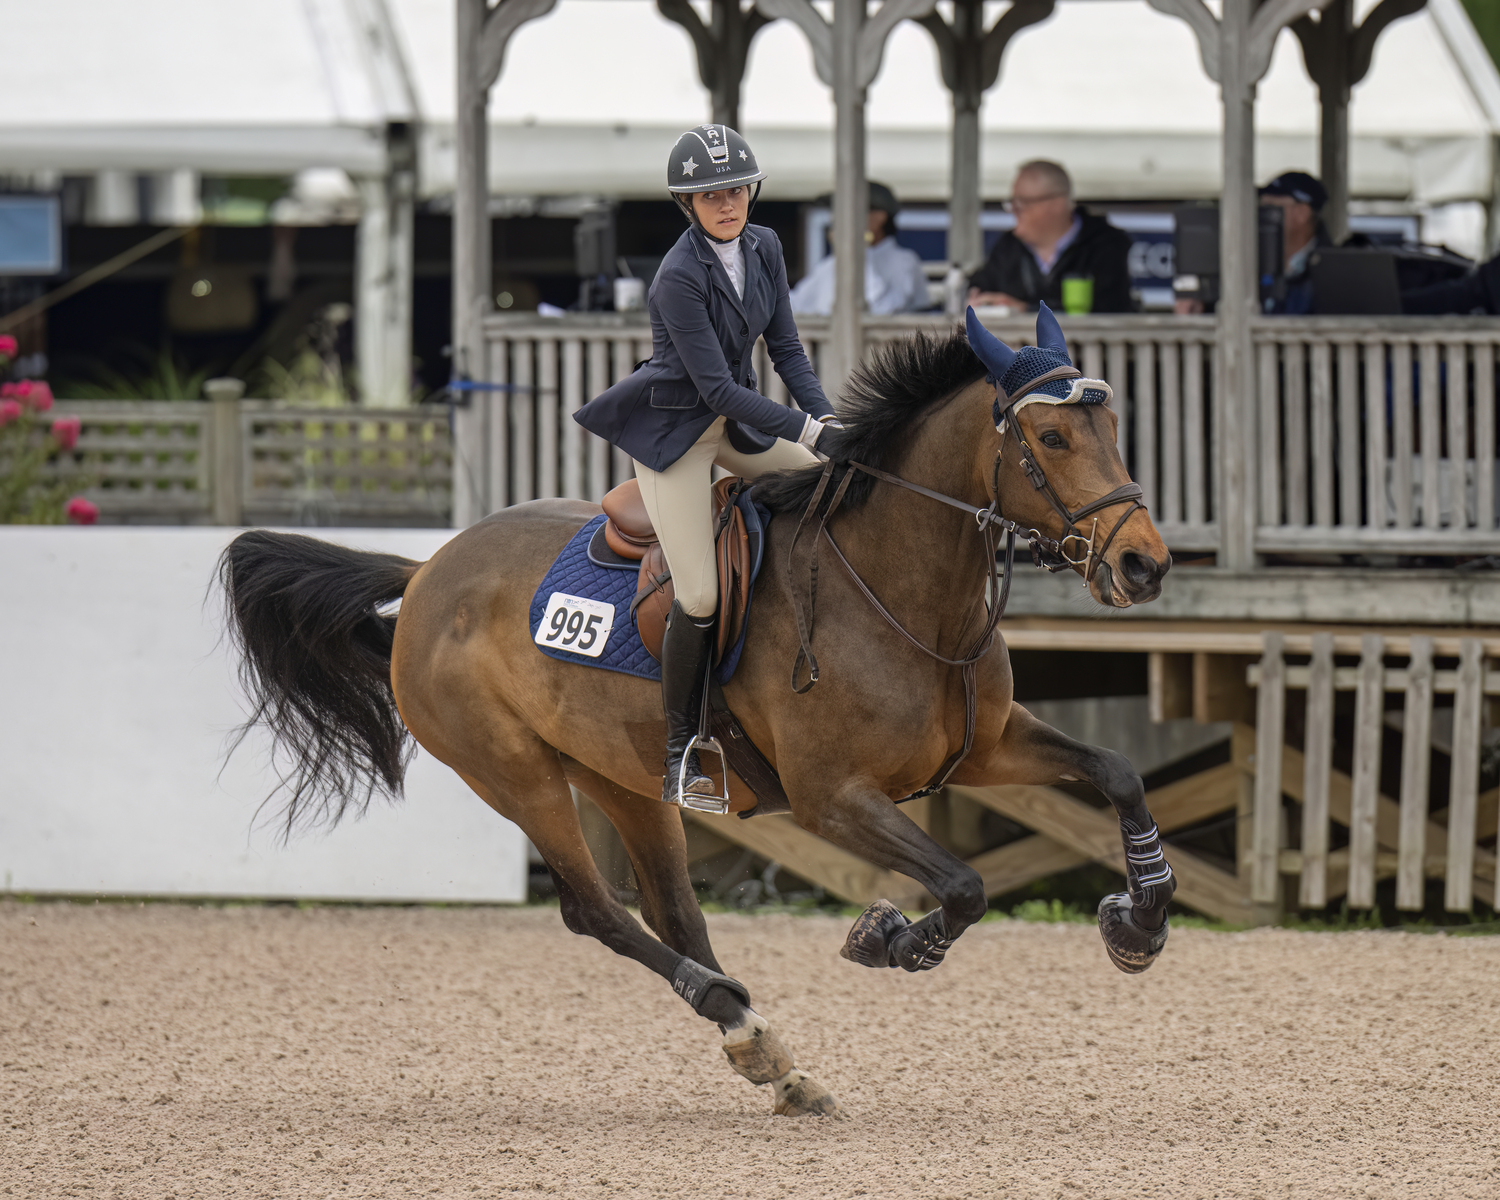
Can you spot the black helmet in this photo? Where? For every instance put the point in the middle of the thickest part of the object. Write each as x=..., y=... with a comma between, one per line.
x=709, y=158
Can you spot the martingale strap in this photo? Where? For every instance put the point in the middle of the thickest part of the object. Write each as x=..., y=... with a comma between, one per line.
x=988, y=520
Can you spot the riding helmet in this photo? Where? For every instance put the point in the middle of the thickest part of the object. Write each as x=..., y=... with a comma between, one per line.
x=709, y=159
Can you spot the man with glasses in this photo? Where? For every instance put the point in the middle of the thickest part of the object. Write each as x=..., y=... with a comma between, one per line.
x=1053, y=240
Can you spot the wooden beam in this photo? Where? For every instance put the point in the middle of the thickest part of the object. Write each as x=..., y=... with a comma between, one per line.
x=1175, y=806
x=1095, y=834
x=1169, y=685
x=782, y=840
x=1220, y=690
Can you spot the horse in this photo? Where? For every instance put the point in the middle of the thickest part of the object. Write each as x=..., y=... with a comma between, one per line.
x=915, y=490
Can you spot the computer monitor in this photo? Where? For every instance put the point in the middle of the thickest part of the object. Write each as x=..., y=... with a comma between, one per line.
x=1354, y=282
x=1196, y=251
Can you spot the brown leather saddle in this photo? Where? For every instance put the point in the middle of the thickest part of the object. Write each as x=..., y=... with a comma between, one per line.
x=629, y=534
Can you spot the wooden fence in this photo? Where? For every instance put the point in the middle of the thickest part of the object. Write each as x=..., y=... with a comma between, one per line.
x=1373, y=434
x=1311, y=824
x=1408, y=836
x=260, y=462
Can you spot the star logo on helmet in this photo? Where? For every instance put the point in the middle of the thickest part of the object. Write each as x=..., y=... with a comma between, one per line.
x=689, y=167
x=743, y=155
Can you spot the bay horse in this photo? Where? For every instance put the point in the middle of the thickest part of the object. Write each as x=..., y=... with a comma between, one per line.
x=344, y=688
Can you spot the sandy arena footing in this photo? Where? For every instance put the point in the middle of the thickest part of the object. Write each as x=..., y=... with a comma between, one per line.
x=175, y=1051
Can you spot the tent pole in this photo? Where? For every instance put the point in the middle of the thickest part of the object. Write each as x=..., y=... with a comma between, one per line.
x=383, y=274
x=1236, y=409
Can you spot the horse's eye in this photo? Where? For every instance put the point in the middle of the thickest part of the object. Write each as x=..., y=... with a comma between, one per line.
x=1054, y=441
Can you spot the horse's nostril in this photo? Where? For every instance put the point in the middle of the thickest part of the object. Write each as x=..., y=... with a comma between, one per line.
x=1139, y=571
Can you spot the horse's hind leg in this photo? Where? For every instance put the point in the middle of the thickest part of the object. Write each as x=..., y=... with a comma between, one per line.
x=653, y=837
x=1133, y=923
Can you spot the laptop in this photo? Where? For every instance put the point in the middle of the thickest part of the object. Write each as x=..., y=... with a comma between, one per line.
x=1355, y=282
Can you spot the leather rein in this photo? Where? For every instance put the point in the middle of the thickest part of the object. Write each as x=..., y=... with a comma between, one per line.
x=1049, y=553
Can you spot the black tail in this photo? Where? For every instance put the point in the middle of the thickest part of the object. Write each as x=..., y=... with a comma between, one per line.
x=316, y=664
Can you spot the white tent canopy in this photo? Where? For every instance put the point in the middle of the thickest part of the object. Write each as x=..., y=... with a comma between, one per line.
x=268, y=87
x=593, y=94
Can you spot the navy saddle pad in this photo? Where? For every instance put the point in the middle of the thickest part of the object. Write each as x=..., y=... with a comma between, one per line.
x=581, y=611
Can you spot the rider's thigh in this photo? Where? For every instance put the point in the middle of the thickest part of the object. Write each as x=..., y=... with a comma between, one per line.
x=677, y=502
x=782, y=456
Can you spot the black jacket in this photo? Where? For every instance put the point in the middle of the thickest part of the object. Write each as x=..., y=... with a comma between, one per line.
x=702, y=339
x=1100, y=251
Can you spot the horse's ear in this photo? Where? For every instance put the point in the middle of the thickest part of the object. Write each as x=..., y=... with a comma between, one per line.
x=992, y=352
x=1049, y=334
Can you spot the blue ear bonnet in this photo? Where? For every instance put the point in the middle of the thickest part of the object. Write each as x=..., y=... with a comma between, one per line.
x=1011, y=370
x=1031, y=361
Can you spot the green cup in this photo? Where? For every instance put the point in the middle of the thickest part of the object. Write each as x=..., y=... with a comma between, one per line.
x=1078, y=295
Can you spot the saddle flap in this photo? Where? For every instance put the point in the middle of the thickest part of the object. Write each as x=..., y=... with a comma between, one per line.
x=629, y=526
x=732, y=557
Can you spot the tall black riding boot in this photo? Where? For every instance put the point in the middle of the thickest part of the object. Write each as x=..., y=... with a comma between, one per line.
x=685, y=650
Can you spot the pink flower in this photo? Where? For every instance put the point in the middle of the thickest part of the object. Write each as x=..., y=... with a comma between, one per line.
x=9, y=390
x=65, y=431
x=8, y=346
x=10, y=410
x=35, y=394
x=81, y=511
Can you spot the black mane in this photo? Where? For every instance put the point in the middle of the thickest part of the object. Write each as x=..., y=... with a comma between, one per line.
x=882, y=400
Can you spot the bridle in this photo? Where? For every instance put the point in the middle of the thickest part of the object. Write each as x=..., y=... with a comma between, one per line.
x=1049, y=553
x=1043, y=554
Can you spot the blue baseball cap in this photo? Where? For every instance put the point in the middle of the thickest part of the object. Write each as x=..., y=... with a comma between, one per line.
x=1300, y=186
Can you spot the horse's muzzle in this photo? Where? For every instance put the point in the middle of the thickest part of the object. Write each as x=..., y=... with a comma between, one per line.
x=1139, y=577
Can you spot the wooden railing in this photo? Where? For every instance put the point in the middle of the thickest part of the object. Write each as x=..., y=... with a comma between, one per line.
x=1408, y=835
x=260, y=462
x=1374, y=435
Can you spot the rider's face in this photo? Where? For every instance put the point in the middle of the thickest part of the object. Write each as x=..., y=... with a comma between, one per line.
x=723, y=213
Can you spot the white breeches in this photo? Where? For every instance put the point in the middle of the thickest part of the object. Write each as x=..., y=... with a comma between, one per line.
x=678, y=503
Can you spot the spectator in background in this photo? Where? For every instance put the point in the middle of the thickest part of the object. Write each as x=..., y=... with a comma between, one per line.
x=894, y=280
x=1300, y=198
x=1053, y=240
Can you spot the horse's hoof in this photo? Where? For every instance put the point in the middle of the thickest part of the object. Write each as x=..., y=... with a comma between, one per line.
x=800, y=1095
x=868, y=943
x=1129, y=947
x=922, y=944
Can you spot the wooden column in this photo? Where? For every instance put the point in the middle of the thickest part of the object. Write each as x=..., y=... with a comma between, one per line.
x=1337, y=56
x=483, y=33
x=722, y=45
x=1238, y=288
x=851, y=200
x=970, y=59
x=847, y=56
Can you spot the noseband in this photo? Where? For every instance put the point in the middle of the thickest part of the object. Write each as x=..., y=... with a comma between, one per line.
x=1051, y=554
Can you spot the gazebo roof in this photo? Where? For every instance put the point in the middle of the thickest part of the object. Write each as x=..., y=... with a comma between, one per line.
x=592, y=95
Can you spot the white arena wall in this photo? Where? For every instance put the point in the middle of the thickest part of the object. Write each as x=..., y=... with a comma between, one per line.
x=117, y=695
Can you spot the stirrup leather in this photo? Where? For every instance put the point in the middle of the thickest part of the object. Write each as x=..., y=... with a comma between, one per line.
x=696, y=800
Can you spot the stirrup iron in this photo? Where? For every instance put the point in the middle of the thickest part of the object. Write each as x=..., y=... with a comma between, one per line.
x=696, y=800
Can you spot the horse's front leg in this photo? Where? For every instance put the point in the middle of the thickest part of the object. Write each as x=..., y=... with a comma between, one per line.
x=1133, y=923
x=653, y=837
x=857, y=816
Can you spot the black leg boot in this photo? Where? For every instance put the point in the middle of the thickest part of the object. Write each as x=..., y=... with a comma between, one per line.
x=685, y=650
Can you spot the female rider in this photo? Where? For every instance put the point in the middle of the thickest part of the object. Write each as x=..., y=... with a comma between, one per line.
x=694, y=403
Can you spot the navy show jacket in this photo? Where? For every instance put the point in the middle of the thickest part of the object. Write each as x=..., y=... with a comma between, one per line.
x=702, y=338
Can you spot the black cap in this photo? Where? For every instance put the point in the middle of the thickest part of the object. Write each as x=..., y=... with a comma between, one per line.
x=1300, y=186
x=709, y=158
x=882, y=199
